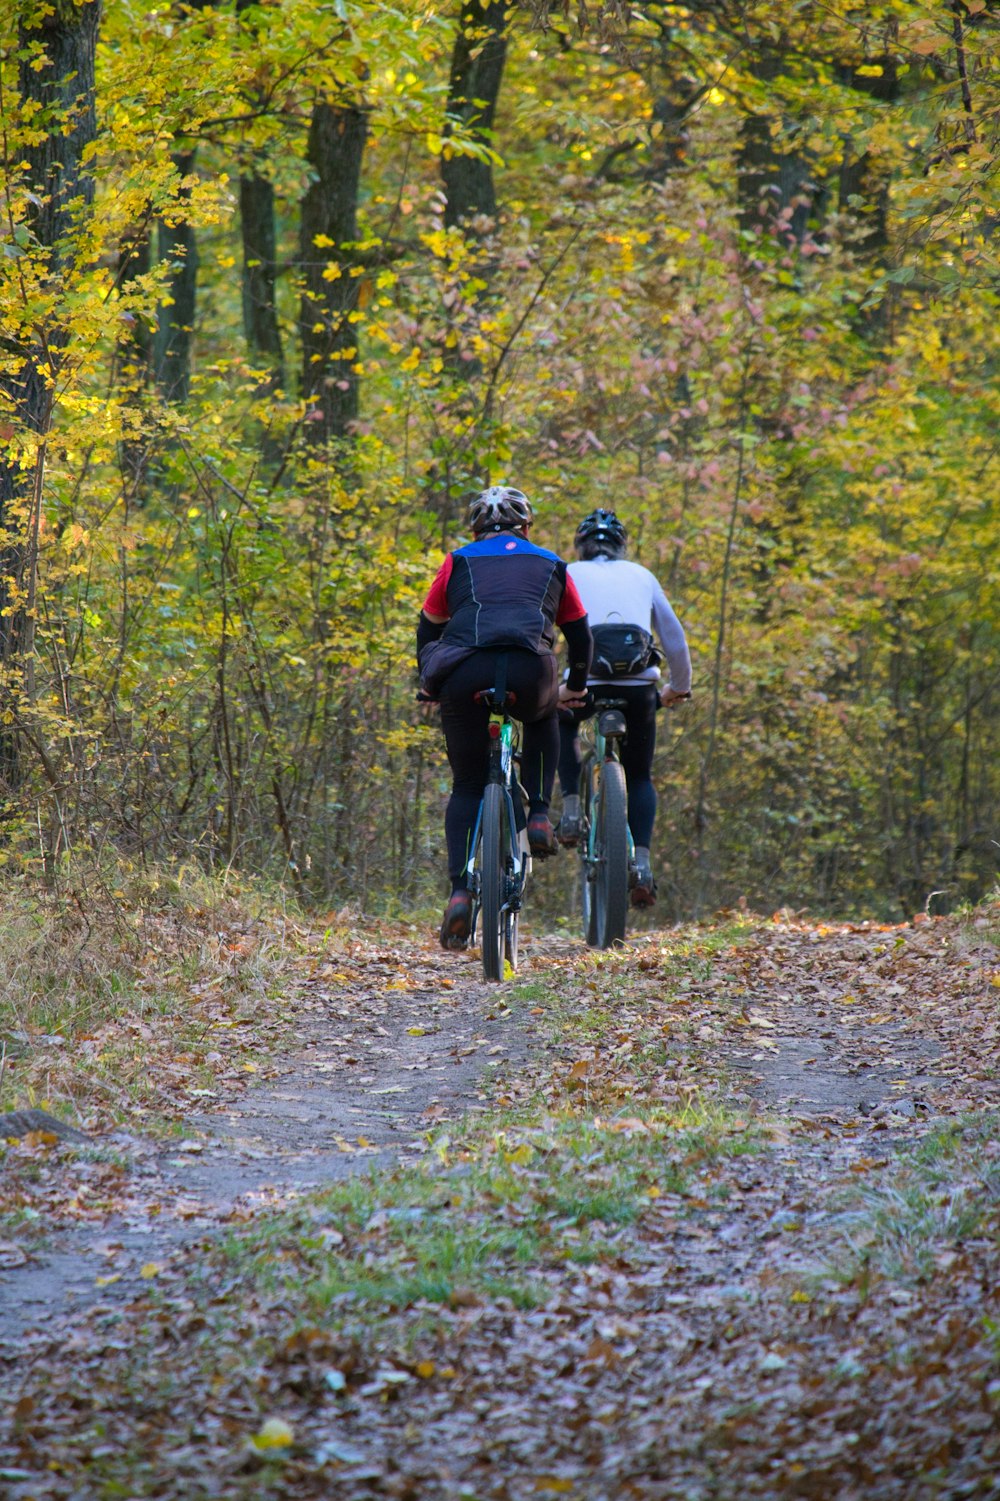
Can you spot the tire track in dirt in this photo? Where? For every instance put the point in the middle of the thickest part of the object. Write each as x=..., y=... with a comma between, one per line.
x=385, y=1047
x=856, y=1021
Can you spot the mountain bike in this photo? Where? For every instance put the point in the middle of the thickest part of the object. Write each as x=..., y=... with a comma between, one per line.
x=606, y=848
x=500, y=862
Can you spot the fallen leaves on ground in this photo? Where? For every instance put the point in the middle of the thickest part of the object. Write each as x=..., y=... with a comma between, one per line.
x=667, y=1270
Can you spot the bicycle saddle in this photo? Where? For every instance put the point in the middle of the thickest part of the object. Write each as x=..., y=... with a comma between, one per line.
x=611, y=722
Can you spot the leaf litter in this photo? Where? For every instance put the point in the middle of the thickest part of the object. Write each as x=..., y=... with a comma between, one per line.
x=665, y=1261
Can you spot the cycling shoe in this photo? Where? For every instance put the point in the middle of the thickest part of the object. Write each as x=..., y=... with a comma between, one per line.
x=541, y=836
x=642, y=887
x=457, y=922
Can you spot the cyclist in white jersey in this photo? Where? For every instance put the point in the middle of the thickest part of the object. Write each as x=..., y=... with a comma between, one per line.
x=618, y=592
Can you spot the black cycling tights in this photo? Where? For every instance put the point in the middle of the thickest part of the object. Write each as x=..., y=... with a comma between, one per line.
x=636, y=752
x=534, y=682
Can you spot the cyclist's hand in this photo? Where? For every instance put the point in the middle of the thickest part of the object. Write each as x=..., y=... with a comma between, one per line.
x=669, y=698
x=571, y=698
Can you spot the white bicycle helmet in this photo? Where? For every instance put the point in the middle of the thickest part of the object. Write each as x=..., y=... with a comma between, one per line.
x=501, y=508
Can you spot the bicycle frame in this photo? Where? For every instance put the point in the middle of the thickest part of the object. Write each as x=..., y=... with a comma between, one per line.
x=504, y=904
x=502, y=747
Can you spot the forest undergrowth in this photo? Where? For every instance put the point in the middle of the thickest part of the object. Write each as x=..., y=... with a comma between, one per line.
x=730, y=1229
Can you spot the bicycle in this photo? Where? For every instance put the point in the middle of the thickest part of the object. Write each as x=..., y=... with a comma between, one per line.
x=606, y=849
x=500, y=861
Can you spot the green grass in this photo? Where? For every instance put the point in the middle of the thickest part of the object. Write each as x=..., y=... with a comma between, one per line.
x=940, y=1193
x=501, y=1218
x=23, y=1221
x=981, y=924
x=532, y=992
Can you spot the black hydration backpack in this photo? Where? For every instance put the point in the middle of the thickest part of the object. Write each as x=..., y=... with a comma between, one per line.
x=622, y=651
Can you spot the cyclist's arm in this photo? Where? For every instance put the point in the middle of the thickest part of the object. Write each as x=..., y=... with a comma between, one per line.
x=434, y=615
x=674, y=642
x=429, y=628
x=435, y=607
x=581, y=647
x=571, y=618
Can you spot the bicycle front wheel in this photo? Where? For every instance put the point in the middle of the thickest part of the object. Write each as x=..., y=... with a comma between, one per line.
x=611, y=847
x=493, y=850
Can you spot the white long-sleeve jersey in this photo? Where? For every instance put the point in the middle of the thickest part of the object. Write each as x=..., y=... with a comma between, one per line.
x=615, y=589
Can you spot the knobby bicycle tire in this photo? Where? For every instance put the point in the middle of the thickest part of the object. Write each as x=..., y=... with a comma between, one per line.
x=587, y=868
x=611, y=884
x=493, y=851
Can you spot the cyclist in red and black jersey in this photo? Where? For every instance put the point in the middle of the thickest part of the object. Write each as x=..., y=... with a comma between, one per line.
x=499, y=596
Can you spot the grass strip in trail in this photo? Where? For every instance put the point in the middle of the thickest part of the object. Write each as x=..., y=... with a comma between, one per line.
x=488, y=1220
x=579, y=1149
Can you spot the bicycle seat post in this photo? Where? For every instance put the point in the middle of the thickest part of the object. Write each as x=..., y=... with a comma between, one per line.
x=497, y=696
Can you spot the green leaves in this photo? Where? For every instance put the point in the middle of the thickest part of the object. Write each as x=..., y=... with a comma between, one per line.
x=741, y=284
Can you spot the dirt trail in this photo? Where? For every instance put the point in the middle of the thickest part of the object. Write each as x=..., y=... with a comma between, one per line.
x=382, y=1053
x=368, y=1072
x=861, y=1022
x=712, y=1350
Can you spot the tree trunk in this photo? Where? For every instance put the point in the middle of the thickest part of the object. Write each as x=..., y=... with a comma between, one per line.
x=863, y=189
x=476, y=72
x=57, y=84
x=769, y=181
x=175, y=318
x=63, y=88
x=260, y=313
x=134, y=357
x=328, y=230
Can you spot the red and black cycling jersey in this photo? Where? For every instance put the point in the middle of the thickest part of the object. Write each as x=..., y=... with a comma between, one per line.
x=499, y=592
x=503, y=591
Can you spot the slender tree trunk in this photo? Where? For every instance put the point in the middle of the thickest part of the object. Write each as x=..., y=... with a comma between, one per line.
x=863, y=187
x=722, y=645
x=328, y=230
x=260, y=313
x=476, y=72
x=134, y=359
x=175, y=331
x=675, y=94
x=257, y=226
x=56, y=89
x=769, y=181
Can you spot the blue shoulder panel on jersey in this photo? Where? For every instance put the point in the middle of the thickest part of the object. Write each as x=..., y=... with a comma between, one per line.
x=500, y=543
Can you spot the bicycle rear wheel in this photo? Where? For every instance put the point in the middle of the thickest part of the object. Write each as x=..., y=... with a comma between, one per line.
x=610, y=885
x=493, y=849
x=588, y=866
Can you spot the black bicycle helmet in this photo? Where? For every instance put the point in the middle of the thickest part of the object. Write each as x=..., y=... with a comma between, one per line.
x=501, y=508
x=601, y=527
